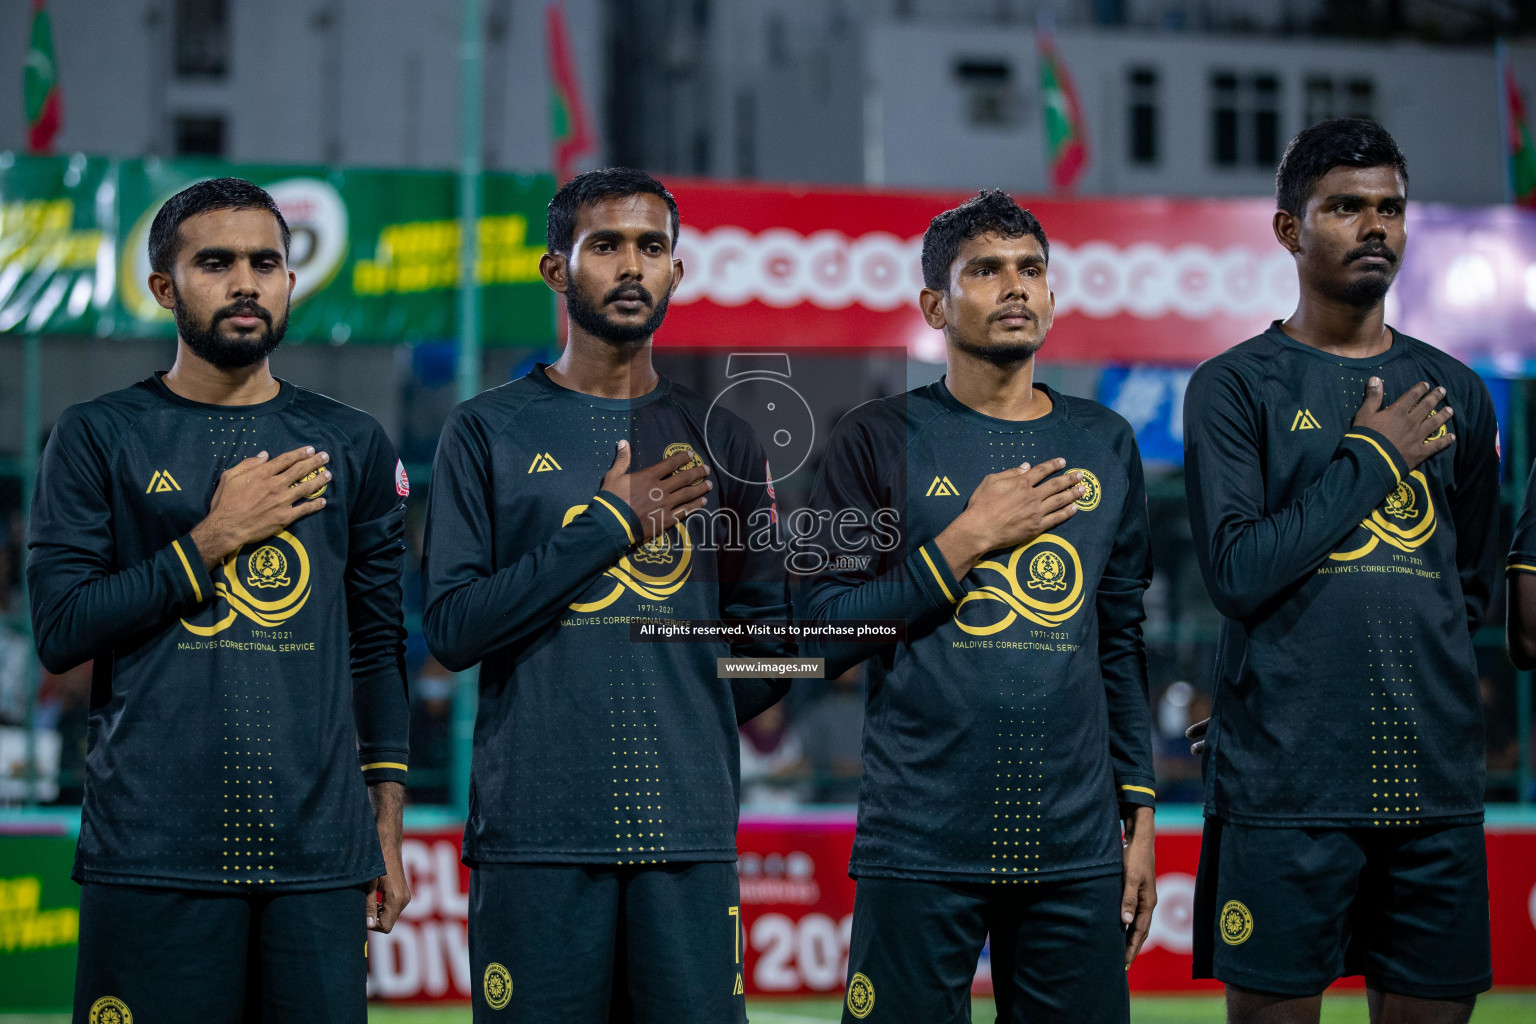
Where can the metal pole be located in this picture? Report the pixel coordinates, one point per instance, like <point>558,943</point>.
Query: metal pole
<point>31,441</point>
<point>1519,456</point>
<point>1501,74</point>
<point>471,49</point>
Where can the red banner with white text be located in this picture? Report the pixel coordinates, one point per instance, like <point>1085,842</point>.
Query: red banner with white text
<point>797,911</point>
<point>1136,280</point>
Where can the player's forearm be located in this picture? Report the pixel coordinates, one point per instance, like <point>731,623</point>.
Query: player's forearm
<point>1248,559</point>
<point>469,615</point>
<point>78,613</point>
<point>919,592</point>
<point>388,802</point>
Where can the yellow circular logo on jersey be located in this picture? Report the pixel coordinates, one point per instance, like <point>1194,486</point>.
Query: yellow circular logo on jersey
<point>861,996</point>
<point>268,568</point>
<point>1041,581</point>
<point>1047,571</point>
<point>498,986</point>
<point>679,448</point>
<point>1236,923</point>
<point>1091,491</point>
<point>315,493</point>
<point>1401,503</point>
<point>110,1010</point>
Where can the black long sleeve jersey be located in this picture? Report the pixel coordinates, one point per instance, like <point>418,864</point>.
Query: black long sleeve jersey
<point>590,747</point>
<point>1346,687</point>
<point>1522,549</point>
<point>230,712</point>
<point>1013,719</point>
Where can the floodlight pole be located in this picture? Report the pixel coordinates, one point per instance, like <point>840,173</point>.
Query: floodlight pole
<point>471,53</point>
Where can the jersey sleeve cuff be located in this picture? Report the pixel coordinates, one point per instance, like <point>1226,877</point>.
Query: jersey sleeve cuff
<point>618,519</point>
<point>1521,563</point>
<point>931,571</point>
<point>384,766</point>
<point>189,572</point>
<point>1136,792</point>
<point>1373,449</point>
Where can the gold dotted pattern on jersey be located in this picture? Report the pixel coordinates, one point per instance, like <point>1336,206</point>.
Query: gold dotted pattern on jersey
<point>1019,780</point>
<point>1018,772</point>
<point>639,829</point>
<point>232,440</point>
<point>1393,734</point>
<point>248,829</point>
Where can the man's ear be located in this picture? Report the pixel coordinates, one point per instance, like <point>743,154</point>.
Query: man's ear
<point>163,289</point>
<point>931,302</point>
<point>1288,231</point>
<point>677,276</point>
<point>555,269</point>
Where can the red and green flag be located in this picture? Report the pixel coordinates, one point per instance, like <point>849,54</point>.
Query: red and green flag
<point>1522,153</point>
<point>1066,136</point>
<point>40,86</point>
<point>570,133</point>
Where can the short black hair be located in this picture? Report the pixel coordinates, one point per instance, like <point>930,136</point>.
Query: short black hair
<point>1341,142</point>
<point>593,187</point>
<point>204,197</point>
<point>991,212</point>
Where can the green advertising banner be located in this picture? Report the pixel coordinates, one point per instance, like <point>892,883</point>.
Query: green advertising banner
<point>375,252</point>
<point>39,923</point>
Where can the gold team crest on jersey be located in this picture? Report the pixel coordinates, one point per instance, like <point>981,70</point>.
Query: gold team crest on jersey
<point>1092,492</point>
<point>109,1010</point>
<point>1041,581</point>
<point>267,582</point>
<point>1405,521</point>
<point>310,478</point>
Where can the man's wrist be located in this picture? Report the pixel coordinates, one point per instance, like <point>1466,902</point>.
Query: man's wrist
<point>1139,822</point>
<point>212,545</point>
<point>962,548</point>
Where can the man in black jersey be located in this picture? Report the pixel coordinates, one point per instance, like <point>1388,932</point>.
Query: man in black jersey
<point>1520,583</point>
<point>1010,735</point>
<point>1351,549</point>
<point>228,548</point>
<point>603,804</point>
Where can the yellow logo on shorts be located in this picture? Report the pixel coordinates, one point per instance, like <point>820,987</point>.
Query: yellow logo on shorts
<point>1092,492</point>
<point>861,996</point>
<point>110,1010</point>
<point>498,986</point>
<point>1236,923</point>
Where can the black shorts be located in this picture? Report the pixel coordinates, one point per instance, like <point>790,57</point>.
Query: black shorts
<point>1058,951</point>
<point>1288,910</point>
<point>586,944</point>
<point>169,955</point>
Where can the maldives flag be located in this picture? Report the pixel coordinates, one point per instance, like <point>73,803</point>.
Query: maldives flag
<point>1066,137</point>
<point>1522,154</point>
<point>40,85</point>
<point>569,131</point>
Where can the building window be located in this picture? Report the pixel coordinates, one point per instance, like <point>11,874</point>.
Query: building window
<point>1361,96</point>
<point>200,39</point>
<point>1245,119</point>
<point>199,135</point>
<point>989,96</point>
<point>1328,97</point>
<point>1319,106</point>
<point>1143,116</point>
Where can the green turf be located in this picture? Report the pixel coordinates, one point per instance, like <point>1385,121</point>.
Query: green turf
<point>1499,1008</point>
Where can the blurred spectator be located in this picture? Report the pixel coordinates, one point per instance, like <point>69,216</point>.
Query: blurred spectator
<point>1178,771</point>
<point>64,707</point>
<point>431,730</point>
<point>773,765</point>
<point>832,729</point>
